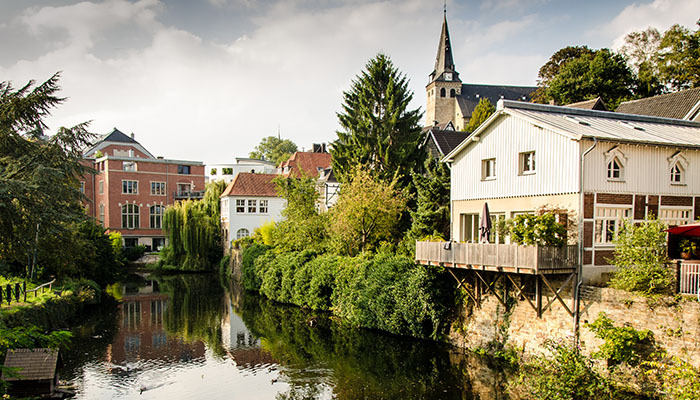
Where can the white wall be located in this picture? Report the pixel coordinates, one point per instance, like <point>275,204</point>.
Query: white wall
<point>242,166</point>
<point>556,163</point>
<point>237,221</point>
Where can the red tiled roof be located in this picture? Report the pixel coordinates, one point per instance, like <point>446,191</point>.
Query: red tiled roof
<point>306,162</point>
<point>250,184</point>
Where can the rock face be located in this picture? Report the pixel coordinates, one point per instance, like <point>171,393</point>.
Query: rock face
<point>675,323</point>
<point>145,260</point>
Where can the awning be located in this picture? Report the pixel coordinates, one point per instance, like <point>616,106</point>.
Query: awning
<point>685,230</point>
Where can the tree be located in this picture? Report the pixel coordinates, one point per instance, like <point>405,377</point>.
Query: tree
<point>432,216</point>
<point>379,133</point>
<point>552,67</point>
<point>303,226</point>
<point>602,73</point>
<point>274,149</point>
<point>679,58</point>
<point>481,113</point>
<point>641,50</point>
<point>640,258</point>
<point>367,213</point>
<point>39,175</point>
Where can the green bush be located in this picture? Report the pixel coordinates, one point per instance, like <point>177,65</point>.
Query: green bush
<point>250,278</point>
<point>640,258</point>
<point>543,230</point>
<point>623,344</point>
<point>134,253</point>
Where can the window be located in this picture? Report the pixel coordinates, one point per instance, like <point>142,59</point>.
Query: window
<point>158,188</point>
<point>488,169</point>
<point>82,186</point>
<point>130,216</point>
<point>130,187</point>
<point>469,228</point>
<point>252,207</point>
<point>224,208</point>
<point>452,93</point>
<point>184,188</point>
<point>241,233</point>
<point>227,171</point>
<point>442,92</point>
<point>615,169</point>
<point>677,174</point>
<point>676,216</point>
<point>527,163</point>
<point>213,171</point>
<point>495,237</point>
<point>129,166</point>
<point>156,216</point>
<point>102,213</point>
<point>102,187</point>
<point>263,206</point>
<point>158,244</point>
<point>183,169</point>
<point>608,221</point>
<point>240,205</point>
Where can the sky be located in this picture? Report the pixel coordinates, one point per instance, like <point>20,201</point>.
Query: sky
<point>205,80</point>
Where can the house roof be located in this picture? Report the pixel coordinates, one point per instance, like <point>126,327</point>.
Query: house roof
<point>472,93</point>
<point>578,124</point>
<point>445,140</point>
<point>680,105</point>
<point>308,163</point>
<point>115,136</point>
<point>33,364</point>
<point>250,184</point>
<point>593,104</point>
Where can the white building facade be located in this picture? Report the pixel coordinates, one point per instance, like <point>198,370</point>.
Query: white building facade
<point>226,172</point>
<point>527,157</point>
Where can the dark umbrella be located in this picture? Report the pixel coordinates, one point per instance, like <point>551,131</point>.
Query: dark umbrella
<point>485,225</point>
<point>685,230</point>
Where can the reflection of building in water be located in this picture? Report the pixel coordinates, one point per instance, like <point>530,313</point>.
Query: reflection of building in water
<point>242,347</point>
<point>141,334</point>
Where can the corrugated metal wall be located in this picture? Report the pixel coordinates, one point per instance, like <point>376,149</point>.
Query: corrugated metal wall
<point>557,162</point>
<point>647,170</point>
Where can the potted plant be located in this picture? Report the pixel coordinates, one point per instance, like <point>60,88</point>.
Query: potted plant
<point>688,248</point>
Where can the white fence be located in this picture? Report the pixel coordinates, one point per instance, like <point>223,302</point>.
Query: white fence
<point>689,278</point>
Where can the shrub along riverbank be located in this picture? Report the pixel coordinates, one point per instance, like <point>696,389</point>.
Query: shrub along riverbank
<point>377,291</point>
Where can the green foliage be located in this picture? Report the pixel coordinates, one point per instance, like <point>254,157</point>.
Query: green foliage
<point>367,213</point>
<point>675,377</point>
<point>688,246</point>
<point>481,113</point>
<point>193,229</point>
<point>251,279</point>
<point>303,226</point>
<point>274,149</point>
<point>565,375</point>
<point>117,245</point>
<point>679,58</point>
<point>134,253</point>
<point>622,344</point>
<point>530,229</point>
<point>264,233</point>
<point>227,171</point>
<point>379,134</point>
<point>640,258</point>
<point>432,216</point>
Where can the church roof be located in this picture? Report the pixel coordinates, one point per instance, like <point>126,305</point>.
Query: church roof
<point>472,93</point>
<point>679,105</point>
<point>444,61</point>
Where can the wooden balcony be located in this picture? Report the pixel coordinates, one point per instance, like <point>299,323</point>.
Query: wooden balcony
<point>512,258</point>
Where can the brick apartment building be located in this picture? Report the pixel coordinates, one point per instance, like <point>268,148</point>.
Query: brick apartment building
<point>131,187</point>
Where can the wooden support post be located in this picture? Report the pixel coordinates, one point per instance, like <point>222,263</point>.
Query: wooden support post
<point>519,292</point>
<point>678,276</point>
<point>489,287</point>
<point>556,293</point>
<point>538,295</point>
<point>460,284</point>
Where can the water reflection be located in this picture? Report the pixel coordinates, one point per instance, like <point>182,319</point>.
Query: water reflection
<point>189,336</point>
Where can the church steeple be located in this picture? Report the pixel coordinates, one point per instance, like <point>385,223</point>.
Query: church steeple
<point>443,61</point>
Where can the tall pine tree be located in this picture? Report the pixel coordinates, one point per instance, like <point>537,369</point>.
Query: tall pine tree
<point>379,132</point>
<point>432,216</point>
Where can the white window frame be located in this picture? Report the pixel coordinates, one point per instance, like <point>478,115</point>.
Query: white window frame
<point>526,162</point>
<point>242,232</point>
<point>263,206</point>
<point>240,206</point>
<point>612,157</point>
<point>488,169</point>
<point>252,206</point>
<point>469,227</point>
<point>156,218</point>
<point>102,213</point>
<point>130,186</point>
<point>608,220</point>
<point>678,167</point>
<point>158,188</point>
<point>102,187</point>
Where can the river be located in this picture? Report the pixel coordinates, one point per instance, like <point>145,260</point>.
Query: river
<point>194,337</point>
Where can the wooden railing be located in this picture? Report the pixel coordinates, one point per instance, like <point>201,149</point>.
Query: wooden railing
<point>499,257</point>
<point>688,277</point>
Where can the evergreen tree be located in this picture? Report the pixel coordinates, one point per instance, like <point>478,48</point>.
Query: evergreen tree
<point>481,113</point>
<point>432,217</point>
<point>379,133</point>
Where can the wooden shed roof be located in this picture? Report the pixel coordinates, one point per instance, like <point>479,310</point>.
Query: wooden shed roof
<point>32,364</point>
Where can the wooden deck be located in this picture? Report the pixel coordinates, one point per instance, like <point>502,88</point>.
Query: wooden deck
<point>512,258</point>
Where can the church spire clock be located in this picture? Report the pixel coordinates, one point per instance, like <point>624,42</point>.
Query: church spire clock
<point>444,86</point>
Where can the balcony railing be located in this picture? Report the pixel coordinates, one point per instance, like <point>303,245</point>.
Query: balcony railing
<point>194,194</point>
<point>688,277</point>
<point>499,257</point>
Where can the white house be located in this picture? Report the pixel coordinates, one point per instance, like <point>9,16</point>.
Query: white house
<point>600,166</point>
<point>248,202</point>
<point>226,172</point>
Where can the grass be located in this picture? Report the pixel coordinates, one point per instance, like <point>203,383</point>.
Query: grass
<point>33,299</point>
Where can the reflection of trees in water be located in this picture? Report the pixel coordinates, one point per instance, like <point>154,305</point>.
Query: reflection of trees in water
<point>360,363</point>
<point>196,308</point>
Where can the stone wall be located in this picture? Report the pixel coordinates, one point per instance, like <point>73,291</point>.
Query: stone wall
<point>675,324</point>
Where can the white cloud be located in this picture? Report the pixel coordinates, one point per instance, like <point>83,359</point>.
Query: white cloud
<point>660,14</point>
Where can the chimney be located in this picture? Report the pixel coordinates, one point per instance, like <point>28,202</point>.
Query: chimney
<point>132,135</point>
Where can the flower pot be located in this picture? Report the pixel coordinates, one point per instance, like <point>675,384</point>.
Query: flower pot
<point>686,255</point>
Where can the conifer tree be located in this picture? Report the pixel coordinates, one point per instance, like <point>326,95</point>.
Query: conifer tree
<point>481,113</point>
<point>432,216</point>
<point>379,132</point>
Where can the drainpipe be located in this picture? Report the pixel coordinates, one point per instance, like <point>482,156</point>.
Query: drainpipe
<point>579,272</point>
<point>449,165</point>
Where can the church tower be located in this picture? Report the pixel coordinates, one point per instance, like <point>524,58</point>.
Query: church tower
<point>445,86</point>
